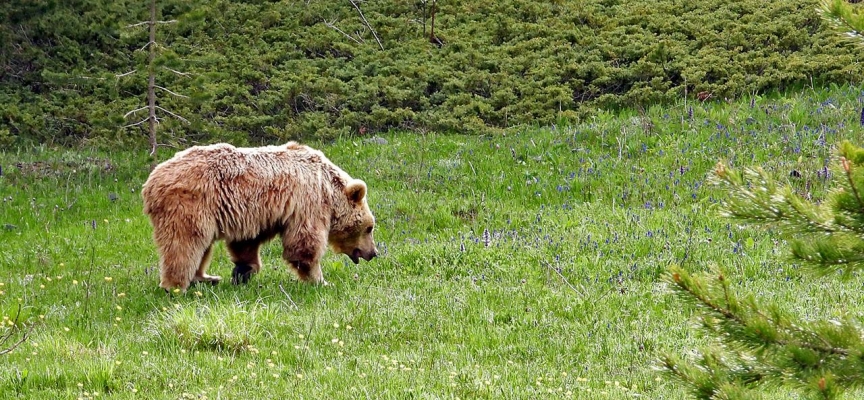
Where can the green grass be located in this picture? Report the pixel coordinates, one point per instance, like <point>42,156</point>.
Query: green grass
<point>517,266</point>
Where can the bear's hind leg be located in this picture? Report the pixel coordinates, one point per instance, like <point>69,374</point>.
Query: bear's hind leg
<point>201,275</point>
<point>246,259</point>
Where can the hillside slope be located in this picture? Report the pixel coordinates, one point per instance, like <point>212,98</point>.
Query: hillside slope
<point>261,71</point>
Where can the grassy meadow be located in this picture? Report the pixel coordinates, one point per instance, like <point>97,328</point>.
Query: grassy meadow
<point>525,265</point>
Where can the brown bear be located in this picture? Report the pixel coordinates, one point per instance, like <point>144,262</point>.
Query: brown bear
<point>247,196</point>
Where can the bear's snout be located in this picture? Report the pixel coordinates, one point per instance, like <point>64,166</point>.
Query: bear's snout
<point>357,254</point>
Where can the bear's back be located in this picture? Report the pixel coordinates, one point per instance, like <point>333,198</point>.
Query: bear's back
<point>202,169</point>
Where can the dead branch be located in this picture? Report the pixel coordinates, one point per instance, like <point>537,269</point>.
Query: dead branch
<point>184,74</point>
<point>134,111</point>
<point>145,46</point>
<point>137,123</point>
<point>331,25</point>
<point>11,331</point>
<point>127,73</point>
<point>173,115</point>
<point>175,94</point>
<point>173,21</point>
<point>365,22</point>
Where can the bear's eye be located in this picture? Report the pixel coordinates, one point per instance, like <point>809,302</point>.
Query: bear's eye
<point>369,230</point>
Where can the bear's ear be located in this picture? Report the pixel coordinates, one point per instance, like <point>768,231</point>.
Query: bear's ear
<point>356,191</point>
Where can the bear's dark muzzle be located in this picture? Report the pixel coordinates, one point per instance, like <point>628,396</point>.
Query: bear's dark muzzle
<point>357,254</point>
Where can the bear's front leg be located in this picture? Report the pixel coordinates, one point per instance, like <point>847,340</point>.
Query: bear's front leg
<point>309,272</point>
<point>303,247</point>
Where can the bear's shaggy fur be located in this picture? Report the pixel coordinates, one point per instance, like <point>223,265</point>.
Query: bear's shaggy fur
<point>247,196</point>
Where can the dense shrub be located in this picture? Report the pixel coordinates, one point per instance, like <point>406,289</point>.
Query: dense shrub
<point>264,71</point>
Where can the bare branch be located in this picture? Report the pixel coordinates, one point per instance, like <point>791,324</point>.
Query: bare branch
<point>18,343</point>
<point>174,115</point>
<point>173,21</point>
<point>127,73</point>
<point>186,74</point>
<point>331,25</point>
<point>137,123</point>
<point>175,94</point>
<point>11,331</point>
<point>145,46</point>
<point>367,24</point>
<point>134,111</point>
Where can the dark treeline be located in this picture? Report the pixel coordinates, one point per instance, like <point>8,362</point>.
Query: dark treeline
<point>262,71</point>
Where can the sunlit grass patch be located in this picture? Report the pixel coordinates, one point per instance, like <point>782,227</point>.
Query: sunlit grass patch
<point>232,327</point>
<point>96,366</point>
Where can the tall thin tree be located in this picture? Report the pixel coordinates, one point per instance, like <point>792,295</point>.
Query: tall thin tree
<point>152,119</point>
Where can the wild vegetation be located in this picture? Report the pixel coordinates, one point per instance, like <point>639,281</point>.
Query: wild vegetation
<point>514,266</point>
<point>524,262</point>
<point>260,71</point>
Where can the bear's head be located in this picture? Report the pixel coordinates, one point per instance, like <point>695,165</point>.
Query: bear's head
<point>351,230</point>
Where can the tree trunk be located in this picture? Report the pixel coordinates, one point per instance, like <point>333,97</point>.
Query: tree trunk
<point>151,85</point>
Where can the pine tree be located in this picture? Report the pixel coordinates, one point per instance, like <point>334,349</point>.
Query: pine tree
<point>762,343</point>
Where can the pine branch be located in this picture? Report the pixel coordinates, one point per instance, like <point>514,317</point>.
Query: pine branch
<point>848,170</point>
<point>827,237</point>
<point>765,346</point>
<point>755,198</point>
<point>842,17</point>
<point>739,321</point>
<point>715,376</point>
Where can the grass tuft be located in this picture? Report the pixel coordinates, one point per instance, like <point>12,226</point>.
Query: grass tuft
<point>223,327</point>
